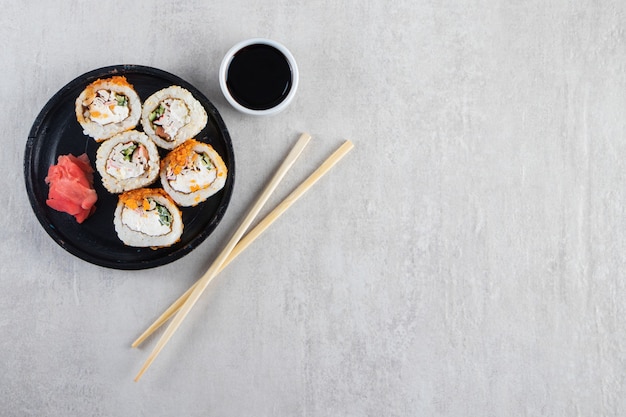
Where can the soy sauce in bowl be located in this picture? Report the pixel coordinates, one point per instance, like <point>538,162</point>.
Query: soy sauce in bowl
<point>259,76</point>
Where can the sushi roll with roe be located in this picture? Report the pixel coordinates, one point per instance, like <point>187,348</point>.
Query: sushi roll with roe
<point>192,173</point>
<point>107,107</point>
<point>147,217</point>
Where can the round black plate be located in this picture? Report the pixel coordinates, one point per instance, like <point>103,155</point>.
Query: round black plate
<point>57,132</point>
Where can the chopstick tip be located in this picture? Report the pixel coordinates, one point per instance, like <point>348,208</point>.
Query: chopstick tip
<point>140,374</point>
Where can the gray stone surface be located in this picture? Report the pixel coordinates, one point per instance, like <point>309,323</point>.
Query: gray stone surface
<point>467,258</point>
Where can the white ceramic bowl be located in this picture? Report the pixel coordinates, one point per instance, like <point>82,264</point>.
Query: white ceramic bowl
<point>224,72</point>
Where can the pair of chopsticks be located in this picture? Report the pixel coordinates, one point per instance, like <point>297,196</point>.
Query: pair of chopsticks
<point>238,243</point>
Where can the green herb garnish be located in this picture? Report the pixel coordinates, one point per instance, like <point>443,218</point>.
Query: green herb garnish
<point>121,100</point>
<point>206,161</point>
<point>158,112</point>
<point>165,217</point>
<point>128,152</point>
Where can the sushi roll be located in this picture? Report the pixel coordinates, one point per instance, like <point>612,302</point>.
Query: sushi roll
<point>171,116</point>
<point>127,161</point>
<point>107,107</point>
<point>147,217</point>
<point>192,173</point>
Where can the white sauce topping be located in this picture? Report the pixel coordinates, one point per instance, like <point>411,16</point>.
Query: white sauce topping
<point>195,176</point>
<point>104,108</point>
<point>176,115</point>
<point>122,167</point>
<point>146,222</point>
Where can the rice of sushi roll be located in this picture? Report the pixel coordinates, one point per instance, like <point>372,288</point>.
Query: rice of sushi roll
<point>171,116</point>
<point>127,161</point>
<point>192,172</point>
<point>107,107</point>
<point>147,217</point>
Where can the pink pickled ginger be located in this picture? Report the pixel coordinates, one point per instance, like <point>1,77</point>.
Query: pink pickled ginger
<point>71,186</point>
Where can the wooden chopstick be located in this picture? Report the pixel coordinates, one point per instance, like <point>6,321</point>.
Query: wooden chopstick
<point>217,264</point>
<point>254,233</point>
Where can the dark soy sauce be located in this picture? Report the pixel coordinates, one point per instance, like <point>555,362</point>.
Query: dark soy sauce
<point>259,77</point>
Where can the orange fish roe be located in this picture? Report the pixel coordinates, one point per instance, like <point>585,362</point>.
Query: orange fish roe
<point>135,198</point>
<point>119,80</point>
<point>97,85</point>
<point>179,157</point>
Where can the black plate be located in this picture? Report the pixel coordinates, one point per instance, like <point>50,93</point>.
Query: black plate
<point>57,132</point>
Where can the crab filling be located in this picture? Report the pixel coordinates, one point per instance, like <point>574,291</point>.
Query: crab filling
<point>127,160</point>
<point>105,107</point>
<point>150,218</point>
<point>167,119</point>
<point>199,172</point>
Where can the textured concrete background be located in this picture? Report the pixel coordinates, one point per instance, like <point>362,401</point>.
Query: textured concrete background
<point>466,259</point>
